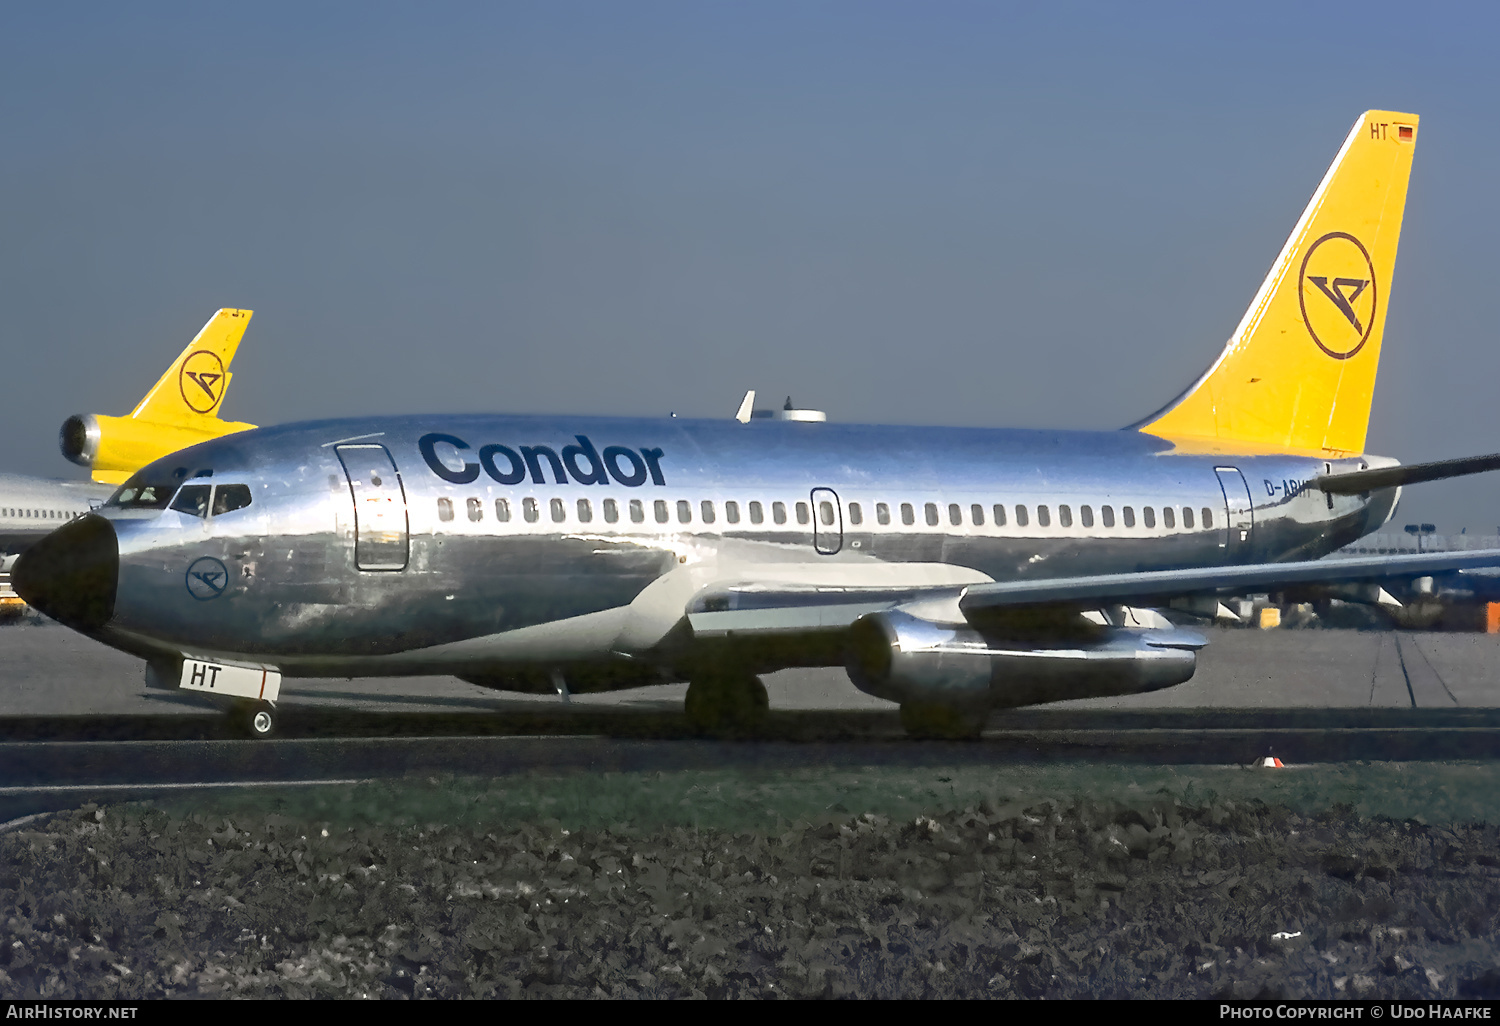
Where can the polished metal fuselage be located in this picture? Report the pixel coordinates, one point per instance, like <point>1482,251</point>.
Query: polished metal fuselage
<point>334,568</point>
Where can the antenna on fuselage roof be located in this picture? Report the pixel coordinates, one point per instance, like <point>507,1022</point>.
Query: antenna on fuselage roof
<point>747,407</point>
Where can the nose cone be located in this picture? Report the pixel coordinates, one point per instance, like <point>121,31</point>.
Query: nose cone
<point>71,574</point>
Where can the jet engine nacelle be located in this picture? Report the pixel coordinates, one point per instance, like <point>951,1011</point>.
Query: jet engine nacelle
<point>116,446</point>
<point>905,659</point>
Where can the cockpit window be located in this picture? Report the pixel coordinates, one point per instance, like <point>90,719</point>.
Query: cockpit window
<point>228,498</point>
<point>193,500</point>
<point>143,493</point>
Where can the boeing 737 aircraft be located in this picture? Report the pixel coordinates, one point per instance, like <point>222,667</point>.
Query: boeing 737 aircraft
<point>181,410</point>
<point>953,571</point>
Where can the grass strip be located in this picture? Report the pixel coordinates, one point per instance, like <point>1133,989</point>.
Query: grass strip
<point>762,802</point>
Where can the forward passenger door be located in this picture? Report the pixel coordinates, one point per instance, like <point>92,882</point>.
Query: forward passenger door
<point>828,521</point>
<point>381,534</point>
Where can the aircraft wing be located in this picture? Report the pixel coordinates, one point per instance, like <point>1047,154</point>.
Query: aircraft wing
<point>751,606</point>
<point>1158,586</point>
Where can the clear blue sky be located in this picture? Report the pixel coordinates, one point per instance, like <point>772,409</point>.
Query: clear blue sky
<point>1033,215</point>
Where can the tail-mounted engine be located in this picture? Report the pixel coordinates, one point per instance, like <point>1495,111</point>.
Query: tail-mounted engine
<point>903,658</point>
<point>121,445</point>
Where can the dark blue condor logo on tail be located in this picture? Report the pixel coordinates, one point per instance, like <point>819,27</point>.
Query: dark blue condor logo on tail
<point>628,467</point>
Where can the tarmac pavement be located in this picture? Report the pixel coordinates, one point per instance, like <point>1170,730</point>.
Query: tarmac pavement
<point>49,670</point>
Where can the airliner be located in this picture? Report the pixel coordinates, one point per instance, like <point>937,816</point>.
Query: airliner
<point>180,410</point>
<point>953,571</point>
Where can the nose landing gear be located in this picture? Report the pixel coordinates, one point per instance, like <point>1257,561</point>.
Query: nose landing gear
<point>255,719</point>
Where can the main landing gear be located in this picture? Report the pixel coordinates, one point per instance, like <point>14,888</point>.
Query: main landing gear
<point>255,719</point>
<point>726,702</point>
<point>931,721</point>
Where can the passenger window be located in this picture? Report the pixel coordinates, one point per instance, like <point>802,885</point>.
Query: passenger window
<point>1020,515</point>
<point>1168,520</point>
<point>530,510</point>
<point>856,515</point>
<point>585,511</point>
<point>778,512</point>
<point>661,511</point>
<point>637,512</point>
<point>1065,515</point>
<point>976,513</point>
<point>559,511</point>
<point>1107,514</point>
<point>1208,517</point>
<point>445,509</point>
<point>1187,517</point>
<point>1043,517</point>
<point>999,512</point>
<point>684,511</point>
<point>825,512</point>
<point>192,500</point>
<point>757,513</point>
<point>611,511</point>
<point>502,510</point>
<point>1148,516</point>
<point>803,514</point>
<point>476,509</point>
<point>908,515</point>
<point>930,511</point>
<point>955,514</point>
<point>732,512</point>
<point>708,512</point>
<point>1086,516</point>
<point>1129,514</point>
<point>882,513</point>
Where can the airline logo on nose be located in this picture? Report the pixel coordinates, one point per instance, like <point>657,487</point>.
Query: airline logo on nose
<point>206,578</point>
<point>1337,291</point>
<point>201,381</point>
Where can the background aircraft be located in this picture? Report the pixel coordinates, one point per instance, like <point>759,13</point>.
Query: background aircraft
<point>181,409</point>
<point>951,570</point>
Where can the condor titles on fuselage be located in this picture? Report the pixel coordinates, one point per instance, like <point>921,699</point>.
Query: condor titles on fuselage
<point>953,571</point>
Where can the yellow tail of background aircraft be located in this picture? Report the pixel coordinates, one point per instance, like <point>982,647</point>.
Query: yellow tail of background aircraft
<point>1298,373</point>
<point>182,408</point>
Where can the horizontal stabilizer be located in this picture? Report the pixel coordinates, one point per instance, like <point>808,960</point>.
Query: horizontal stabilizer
<point>1415,473</point>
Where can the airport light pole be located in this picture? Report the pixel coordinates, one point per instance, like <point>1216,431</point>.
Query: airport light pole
<point>1418,530</point>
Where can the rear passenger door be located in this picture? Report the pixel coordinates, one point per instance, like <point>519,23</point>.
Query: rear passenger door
<point>1239,512</point>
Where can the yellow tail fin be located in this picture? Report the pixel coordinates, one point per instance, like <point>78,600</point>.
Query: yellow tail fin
<point>1299,371</point>
<point>193,387</point>
<point>182,409</point>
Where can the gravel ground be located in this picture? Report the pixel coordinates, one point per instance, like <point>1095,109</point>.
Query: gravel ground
<point>1153,899</point>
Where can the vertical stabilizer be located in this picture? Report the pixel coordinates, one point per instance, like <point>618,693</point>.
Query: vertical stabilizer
<point>182,408</point>
<point>1299,371</point>
<point>193,387</point>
